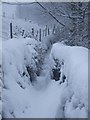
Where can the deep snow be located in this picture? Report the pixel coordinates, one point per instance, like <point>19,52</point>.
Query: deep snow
<point>46,98</point>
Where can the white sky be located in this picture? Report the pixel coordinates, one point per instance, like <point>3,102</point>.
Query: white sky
<point>8,9</point>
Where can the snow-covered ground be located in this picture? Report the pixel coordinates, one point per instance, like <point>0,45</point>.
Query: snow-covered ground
<point>46,98</point>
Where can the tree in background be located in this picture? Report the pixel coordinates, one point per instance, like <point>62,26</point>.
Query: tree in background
<point>70,18</point>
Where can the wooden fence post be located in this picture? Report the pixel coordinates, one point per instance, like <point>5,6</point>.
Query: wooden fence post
<point>33,32</point>
<point>11,36</point>
<point>48,31</point>
<point>23,32</point>
<point>40,34</point>
<point>54,29</point>
<point>37,35</point>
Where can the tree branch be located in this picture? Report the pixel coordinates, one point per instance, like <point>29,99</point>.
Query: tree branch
<point>50,13</point>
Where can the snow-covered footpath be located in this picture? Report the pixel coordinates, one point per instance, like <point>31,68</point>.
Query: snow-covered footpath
<point>45,98</point>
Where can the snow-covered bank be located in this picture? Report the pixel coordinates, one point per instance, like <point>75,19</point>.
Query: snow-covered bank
<point>75,68</point>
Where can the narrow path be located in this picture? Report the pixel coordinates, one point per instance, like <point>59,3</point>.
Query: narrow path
<point>45,95</point>
<point>44,78</point>
<point>45,103</point>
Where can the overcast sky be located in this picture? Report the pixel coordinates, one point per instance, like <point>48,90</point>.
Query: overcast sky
<point>34,12</point>
<point>9,9</point>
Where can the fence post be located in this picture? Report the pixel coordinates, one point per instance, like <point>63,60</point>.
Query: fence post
<point>37,35</point>
<point>54,29</point>
<point>40,34</point>
<point>23,32</point>
<point>48,31</point>
<point>11,36</point>
<point>33,32</point>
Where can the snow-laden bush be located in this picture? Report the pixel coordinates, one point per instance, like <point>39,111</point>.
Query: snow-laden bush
<point>20,65</point>
<point>75,69</point>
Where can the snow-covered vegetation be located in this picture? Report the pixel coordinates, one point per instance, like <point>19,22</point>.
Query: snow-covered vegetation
<point>23,91</point>
<point>73,62</point>
<point>44,65</point>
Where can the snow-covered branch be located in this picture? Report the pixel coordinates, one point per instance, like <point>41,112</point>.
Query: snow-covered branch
<point>50,13</point>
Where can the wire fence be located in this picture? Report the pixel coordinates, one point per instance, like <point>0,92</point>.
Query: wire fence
<point>9,25</point>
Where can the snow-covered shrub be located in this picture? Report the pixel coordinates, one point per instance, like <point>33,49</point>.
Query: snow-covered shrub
<point>17,54</point>
<point>20,59</point>
<point>75,71</point>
